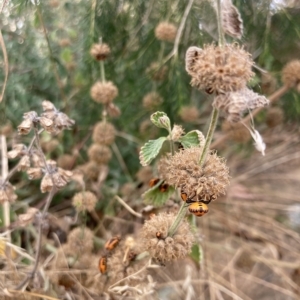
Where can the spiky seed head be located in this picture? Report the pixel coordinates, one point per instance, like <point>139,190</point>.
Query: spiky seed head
<point>166,31</point>
<point>104,92</point>
<point>291,74</point>
<point>219,69</point>
<point>101,154</point>
<point>183,170</point>
<point>104,133</point>
<point>100,51</point>
<point>163,247</point>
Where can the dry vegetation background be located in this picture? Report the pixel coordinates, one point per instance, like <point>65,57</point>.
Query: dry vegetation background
<point>247,246</point>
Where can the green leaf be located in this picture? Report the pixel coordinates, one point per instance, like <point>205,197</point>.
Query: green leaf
<point>150,150</point>
<point>156,197</point>
<point>161,120</point>
<point>196,253</point>
<point>192,139</point>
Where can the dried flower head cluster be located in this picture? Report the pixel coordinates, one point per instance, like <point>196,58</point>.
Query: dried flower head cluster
<point>166,31</point>
<point>84,201</point>
<point>155,239</point>
<point>100,154</point>
<point>189,114</point>
<point>104,92</point>
<point>231,19</point>
<point>157,72</point>
<point>52,120</point>
<point>291,74</point>
<point>152,100</point>
<point>234,104</point>
<point>177,132</point>
<point>224,71</point>
<point>81,240</point>
<point>205,182</point>
<point>219,69</point>
<point>100,51</point>
<point>104,133</point>
<point>7,192</point>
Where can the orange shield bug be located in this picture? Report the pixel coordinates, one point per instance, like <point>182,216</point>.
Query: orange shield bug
<point>102,266</point>
<point>112,243</point>
<point>153,182</point>
<point>198,208</point>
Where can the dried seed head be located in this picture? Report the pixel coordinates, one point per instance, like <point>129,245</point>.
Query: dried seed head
<point>205,182</point>
<point>104,133</point>
<point>291,74</point>
<point>189,114</point>
<point>27,218</point>
<point>122,263</point>
<point>274,117</point>
<point>60,121</point>
<point>84,201</point>
<point>157,72</point>
<point>145,174</point>
<point>166,31</point>
<point>80,240</point>
<point>236,131</point>
<point>177,132</point>
<point>27,124</point>
<point>90,170</point>
<point>113,110</point>
<point>162,247</point>
<point>7,192</point>
<point>101,154</point>
<point>46,184</point>
<point>152,100</point>
<point>17,151</point>
<point>24,163</point>
<point>231,19</point>
<point>100,51</point>
<point>34,173</point>
<point>234,104</point>
<point>104,92</point>
<point>66,161</point>
<point>219,69</point>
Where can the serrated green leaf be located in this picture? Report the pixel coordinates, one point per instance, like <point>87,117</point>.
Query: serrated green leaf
<point>161,120</point>
<point>157,198</point>
<point>150,150</point>
<point>192,139</point>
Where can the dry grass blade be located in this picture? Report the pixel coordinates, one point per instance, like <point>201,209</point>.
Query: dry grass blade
<point>2,43</point>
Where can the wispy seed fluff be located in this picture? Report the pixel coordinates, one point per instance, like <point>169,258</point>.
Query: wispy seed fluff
<point>100,51</point>
<point>205,182</point>
<point>155,239</point>
<point>166,31</point>
<point>234,104</point>
<point>291,74</point>
<point>219,69</point>
<point>104,92</point>
<point>104,133</point>
<point>85,200</point>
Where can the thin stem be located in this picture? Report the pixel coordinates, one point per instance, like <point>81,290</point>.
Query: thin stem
<point>210,133</point>
<point>122,202</point>
<point>179,218</point>
<point>6,204</point>
<point>220,28</point>
<point>102,71</point>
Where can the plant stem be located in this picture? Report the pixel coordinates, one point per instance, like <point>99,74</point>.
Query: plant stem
<point>179,218</point>
<point>220,28</point>
<point>210,133</point>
